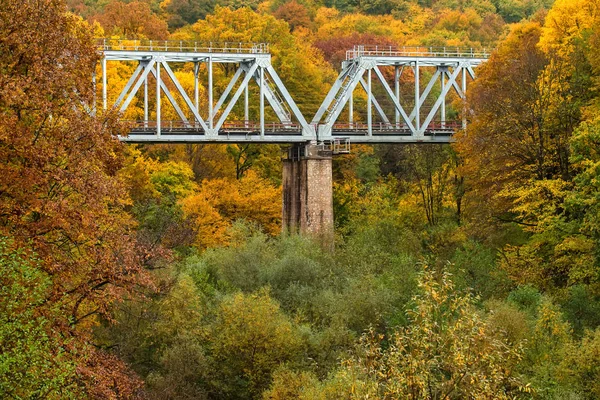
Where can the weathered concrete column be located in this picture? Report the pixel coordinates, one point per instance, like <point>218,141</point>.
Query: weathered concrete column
<point>307,191</point>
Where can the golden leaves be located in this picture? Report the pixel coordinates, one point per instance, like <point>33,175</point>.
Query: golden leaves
<point>220,202</point>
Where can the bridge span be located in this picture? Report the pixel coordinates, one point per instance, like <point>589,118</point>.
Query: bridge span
<point>383,94</point>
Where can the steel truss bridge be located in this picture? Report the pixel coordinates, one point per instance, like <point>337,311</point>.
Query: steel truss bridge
<point>372,77</point>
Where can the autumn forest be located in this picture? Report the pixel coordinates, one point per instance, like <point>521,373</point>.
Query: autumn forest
<point>469,270</point>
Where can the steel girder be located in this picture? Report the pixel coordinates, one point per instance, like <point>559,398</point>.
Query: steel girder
<point>412,122</point>
<point>215,125</point>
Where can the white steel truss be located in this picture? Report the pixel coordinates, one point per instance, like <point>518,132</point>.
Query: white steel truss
<point>377,73</point>
<point>446,70</point>
<point>252,63</point>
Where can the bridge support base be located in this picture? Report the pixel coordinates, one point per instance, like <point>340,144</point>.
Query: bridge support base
<point>308,192</point>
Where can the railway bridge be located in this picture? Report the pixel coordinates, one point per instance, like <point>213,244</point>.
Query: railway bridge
<point>382,94</point>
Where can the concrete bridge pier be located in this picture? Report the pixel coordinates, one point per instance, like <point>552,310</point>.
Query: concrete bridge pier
<point>308,191</point>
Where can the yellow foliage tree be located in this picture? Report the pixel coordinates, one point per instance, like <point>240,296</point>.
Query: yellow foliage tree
<point>509,154</point>
<point>447,352</point>
<point>301,67</point>
<point>566,20</point>
<point>220,202</point>
<point>331,25</point>
<point>252,337</point>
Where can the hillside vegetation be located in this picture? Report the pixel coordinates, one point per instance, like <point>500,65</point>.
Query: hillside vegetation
<point>461,271</point>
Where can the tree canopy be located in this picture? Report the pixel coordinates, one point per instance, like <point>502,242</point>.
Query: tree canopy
<point>468,270</point>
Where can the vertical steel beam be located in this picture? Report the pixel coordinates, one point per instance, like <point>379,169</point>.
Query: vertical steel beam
<point>351,108</point>
<point>104,80</point>
<point>146,101</point>
<point>376,104</point>
<point>196,88</point>
<point>443,111</point>
<point>369,106</point>
<point>464,98</point>
<point>425,93</point>
<point>170,97</point>
<point>246,107</point>
<point>417,100</point>
<point>397,91</point>
<point>158,99</point>
<point>278,104</point>
<point>451,82</point>
<point>210,94</point>
<point>262,101</point>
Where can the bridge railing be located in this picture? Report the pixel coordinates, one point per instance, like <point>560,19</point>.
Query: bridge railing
<point>383,126</point>
<point>243,126</point>
<point>181,46</point>
<point>420,51</point>
<point>254,126</point>
<point>164,125</point>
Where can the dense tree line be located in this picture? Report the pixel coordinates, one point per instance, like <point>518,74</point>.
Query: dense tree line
<point>159,272</point>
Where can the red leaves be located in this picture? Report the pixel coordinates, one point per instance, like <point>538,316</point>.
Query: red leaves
<point>107,377</point>
<point>134,20</point>
<point>334,49</point>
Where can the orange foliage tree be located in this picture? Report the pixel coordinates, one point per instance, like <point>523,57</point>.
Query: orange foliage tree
<point>222,201</point>
<point>58,188</point>
<point>295,14</point>
<point>133,20</point>
<point>504,146</point>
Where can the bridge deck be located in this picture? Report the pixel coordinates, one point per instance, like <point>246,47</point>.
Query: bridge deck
<point>415,117</point>
<point>275,132</point>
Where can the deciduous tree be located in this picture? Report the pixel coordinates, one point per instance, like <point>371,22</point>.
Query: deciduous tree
<point>59,192</point>
<point>447,352</point>
<point>220,202</point>
<point>132,20</point>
